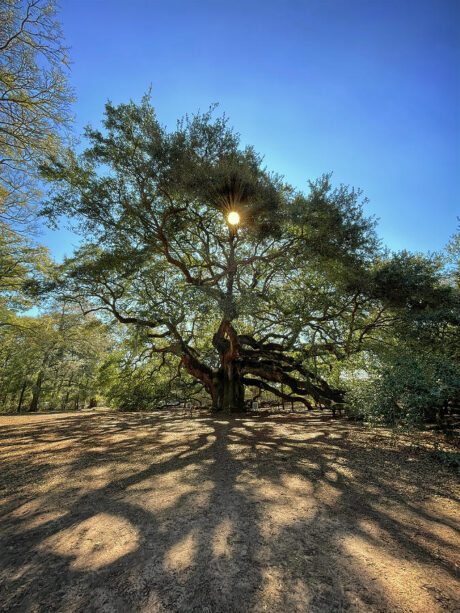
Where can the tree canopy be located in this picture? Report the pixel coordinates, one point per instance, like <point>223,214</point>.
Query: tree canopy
<point>275,302</point>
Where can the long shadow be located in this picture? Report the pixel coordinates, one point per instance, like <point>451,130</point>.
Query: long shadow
<point>208,526</point>
<point>205,582</point>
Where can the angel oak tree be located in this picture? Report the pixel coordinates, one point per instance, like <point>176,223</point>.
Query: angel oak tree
<point>271,302</point>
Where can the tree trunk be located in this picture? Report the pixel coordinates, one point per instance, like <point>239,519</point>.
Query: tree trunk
<point>227,382</point>
<point>33,408</point>
<point>21,397</point>
<point>230,391</point>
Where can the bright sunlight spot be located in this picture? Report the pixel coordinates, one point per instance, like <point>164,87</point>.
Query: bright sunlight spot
<point>233,218</point>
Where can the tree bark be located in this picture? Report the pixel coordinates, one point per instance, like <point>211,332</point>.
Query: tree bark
<point>230,390</point>
<point>69,384</point>
<point>33,408</point>
<point>21,397</point>
<point>228,381</point>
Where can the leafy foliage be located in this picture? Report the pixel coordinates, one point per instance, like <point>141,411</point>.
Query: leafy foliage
<point>34,99</point>
<point>52,361</point>
<point>20,262</point>
<point>407,389</point>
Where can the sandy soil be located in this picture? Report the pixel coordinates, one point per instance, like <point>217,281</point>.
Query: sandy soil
<point>133,512</point>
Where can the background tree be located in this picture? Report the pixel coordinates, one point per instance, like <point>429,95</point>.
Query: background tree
<point>274,302</point>
<point>413,374</point>
<point>52,361</point>
<point>34,110</point>
<point>453,250</point>
<point>20,261</point>
<point>34,99</point>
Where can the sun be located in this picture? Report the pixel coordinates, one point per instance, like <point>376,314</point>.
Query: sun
<point>233,218</point>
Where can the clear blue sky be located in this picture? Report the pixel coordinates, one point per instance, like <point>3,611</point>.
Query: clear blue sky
<point>368,89</point>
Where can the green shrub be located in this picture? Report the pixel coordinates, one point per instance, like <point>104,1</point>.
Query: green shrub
<point>407,390</point>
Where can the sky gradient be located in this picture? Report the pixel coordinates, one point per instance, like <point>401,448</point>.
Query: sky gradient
<point>367,89</point>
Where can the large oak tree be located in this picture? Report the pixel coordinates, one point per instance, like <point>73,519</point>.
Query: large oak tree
<point>273,302</point>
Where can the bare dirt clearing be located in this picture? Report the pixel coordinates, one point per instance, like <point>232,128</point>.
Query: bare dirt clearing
<point>155,512</point>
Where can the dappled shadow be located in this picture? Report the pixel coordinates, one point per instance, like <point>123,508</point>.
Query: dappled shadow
<point>157,512</point>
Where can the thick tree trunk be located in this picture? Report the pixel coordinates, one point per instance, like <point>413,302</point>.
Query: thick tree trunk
<point>228,383</point>
<point>230,391</point>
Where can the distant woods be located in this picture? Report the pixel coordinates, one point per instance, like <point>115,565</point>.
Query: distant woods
<point>52,362</point>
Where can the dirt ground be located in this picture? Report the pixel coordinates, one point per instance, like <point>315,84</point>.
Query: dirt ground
<point>156,512</point>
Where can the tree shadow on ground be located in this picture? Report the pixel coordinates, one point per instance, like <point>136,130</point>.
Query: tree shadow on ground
<point>110,512</point>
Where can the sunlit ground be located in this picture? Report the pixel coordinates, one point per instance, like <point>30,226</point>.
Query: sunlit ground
<point>129,512</point>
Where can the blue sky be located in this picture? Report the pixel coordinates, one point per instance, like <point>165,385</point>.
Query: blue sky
<point>368,89</point>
